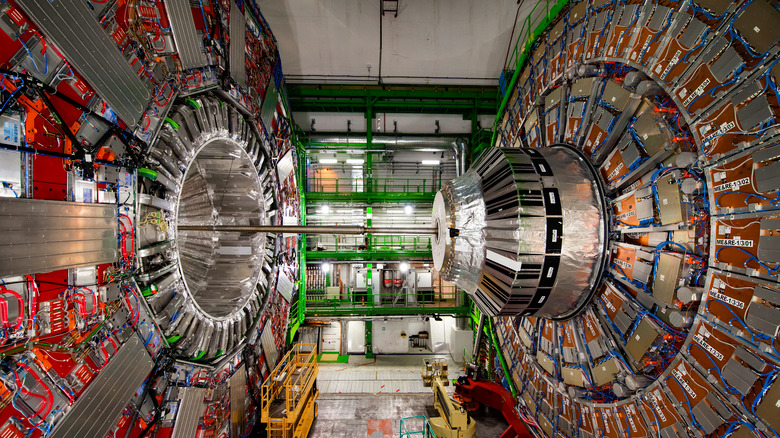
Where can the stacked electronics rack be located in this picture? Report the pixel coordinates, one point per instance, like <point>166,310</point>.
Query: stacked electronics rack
<point>120,119</point>
<point>677,104</point>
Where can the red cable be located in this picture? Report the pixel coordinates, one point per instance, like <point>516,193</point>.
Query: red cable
<point>49,400</point>
<point>4,314</point>
<point>34,301</point>
<point>132,229</point>
<point>21,308</point>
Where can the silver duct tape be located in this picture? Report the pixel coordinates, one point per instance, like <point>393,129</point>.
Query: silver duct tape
<point>461,256</point>
<point>559,247</point>
<point>583,244</point>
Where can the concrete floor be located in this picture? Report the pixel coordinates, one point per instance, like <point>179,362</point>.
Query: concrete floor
<point>368,398</point>
<point>353,416</point>
<point>387,374</point>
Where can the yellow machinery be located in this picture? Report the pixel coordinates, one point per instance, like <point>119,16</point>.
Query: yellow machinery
<point>289,394</point>
<point>454,421</point>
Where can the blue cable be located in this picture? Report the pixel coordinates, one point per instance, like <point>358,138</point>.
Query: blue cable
<point>45,59</point>
<point>687,401</point>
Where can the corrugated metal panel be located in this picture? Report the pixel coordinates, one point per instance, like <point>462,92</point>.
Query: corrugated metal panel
<point>100,406</point>
<point>269,346</point>
<point>237,44</point>
<point>184,34</point>
<point>191,411</point>
<point>89,49</point>
<point>42,236</point>
<point>237,399</point>
<point>268,109</point>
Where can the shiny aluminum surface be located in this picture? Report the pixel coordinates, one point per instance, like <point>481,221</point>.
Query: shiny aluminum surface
<point>220,187</point>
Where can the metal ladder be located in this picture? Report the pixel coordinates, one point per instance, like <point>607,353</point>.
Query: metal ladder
<point>390,6</point>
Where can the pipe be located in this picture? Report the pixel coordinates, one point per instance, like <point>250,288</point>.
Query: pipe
<point>403,142</point>
<point>478,335</point>
<point>307,229</point>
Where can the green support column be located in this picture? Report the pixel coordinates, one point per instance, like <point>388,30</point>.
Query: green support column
<point>369,272</point>
<point>369,340</point>
<point>369,180</point>
<point>296,319</point>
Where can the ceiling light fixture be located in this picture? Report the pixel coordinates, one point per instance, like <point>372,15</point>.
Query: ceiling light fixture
<point>430,162</point>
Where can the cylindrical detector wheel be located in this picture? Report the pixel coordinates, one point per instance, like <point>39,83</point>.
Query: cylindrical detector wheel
<point>524,231</point>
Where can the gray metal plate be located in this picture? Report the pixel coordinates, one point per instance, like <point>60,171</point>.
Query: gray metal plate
<point>641,340</point>
<point>763,318</point>
<point>670,206</point>
<point>666,277</point>
<point>94,54</point>
<point>184,33</point>
<point>237,44</point>
<point>706,417</point>
<point>605,372</point>
<point>237,402</point>
<point>191,410</point>
<point>99,408</point>
<point>758,25</point>
<point>739,376</point>
<point>42,236</point>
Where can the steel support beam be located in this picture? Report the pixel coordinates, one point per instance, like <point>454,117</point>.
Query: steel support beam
<point>312,312</point>
<point>368,255</point>
<point>465,100</point>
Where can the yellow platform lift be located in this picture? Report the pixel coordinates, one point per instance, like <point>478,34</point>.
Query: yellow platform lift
<point>289,395</point>
<point>455,421</point>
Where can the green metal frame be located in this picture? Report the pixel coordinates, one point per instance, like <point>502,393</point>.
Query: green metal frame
<point>298,311</point>
<point>418,99</point>
<point>490,331</point>
<point>369,197</point>
<point>529,33</point>
<point>370,310</point>
<point>368,255</point>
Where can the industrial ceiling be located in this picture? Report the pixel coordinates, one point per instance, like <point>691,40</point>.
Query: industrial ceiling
<point>460,42</point>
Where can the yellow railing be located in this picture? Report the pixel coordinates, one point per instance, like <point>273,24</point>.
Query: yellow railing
<point>292,380</point>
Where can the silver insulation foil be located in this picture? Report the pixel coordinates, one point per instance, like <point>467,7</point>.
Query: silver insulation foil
<point>523,232</point>
<point>584,227</point>
<point>459,205</point>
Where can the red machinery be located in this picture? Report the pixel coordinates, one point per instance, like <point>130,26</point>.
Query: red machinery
<point>474,393</point>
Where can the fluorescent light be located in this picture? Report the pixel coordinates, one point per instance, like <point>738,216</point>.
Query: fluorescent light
<point>328,161</point>
<point>325,267</point>
<point>404,267</point>
<point>325,209</point>
<point>430,162</point>
<point>408,209</point>
<point>355,161</point>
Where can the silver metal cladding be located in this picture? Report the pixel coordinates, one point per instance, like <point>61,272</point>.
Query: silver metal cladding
<point>523,232</point>
<point>459,205</point>
<point>221,187</point>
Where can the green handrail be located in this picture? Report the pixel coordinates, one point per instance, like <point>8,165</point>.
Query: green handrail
<point>531,29</point>
<point>504,368</point>
<point>321,184</point>
<point>425,432</point>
